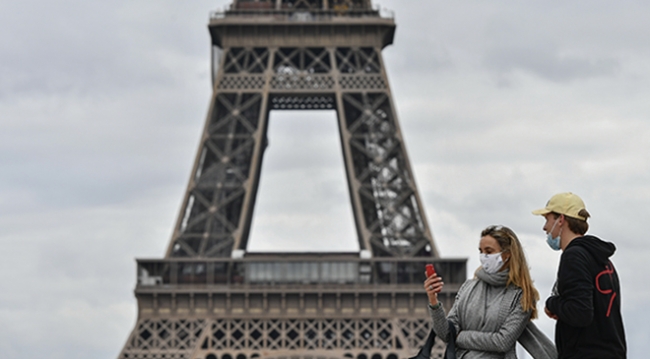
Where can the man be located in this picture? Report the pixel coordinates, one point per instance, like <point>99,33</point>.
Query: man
<point>586,299</point>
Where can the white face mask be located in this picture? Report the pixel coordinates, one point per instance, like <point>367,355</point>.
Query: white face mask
<point>491,262</point>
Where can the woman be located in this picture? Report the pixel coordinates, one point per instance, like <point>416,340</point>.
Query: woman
<point>491,310</point>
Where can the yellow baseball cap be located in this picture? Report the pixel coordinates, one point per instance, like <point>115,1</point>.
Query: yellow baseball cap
<point>567,203</point>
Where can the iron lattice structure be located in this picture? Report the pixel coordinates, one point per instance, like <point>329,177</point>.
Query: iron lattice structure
<point>209,298</point>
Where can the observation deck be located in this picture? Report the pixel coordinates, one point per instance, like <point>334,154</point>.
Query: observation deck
<point>317,25</point>
<point>301,284</point>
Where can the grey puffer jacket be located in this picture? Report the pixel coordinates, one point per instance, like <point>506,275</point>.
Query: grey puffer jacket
<point>489,319</point>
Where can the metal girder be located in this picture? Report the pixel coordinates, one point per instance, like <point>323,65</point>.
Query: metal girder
<point>217,210</point>
<point>277,338</point>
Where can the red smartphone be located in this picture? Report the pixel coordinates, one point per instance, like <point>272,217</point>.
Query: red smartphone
<point>430,270</point>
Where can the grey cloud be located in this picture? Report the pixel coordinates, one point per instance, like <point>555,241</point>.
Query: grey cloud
<point>94,177</point>
<point>303,140</point>
<point>95,48</point>
<point>549,64</point>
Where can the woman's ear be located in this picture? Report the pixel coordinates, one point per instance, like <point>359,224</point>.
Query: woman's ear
<point>505,256</point>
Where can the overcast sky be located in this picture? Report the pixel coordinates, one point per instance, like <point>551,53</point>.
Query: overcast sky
<point>502,104</point>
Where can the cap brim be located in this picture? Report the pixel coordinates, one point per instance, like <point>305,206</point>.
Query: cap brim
<point>541,211</point>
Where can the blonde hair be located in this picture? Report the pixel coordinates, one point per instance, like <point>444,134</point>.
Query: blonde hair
<point>519,274</point>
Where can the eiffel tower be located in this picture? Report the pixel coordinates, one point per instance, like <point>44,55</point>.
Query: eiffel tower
<point>210,298</point>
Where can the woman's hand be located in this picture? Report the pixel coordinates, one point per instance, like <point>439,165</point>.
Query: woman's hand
<point>433,286</point>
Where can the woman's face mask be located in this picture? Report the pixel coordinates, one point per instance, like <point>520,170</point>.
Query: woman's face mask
<point>491,262</point>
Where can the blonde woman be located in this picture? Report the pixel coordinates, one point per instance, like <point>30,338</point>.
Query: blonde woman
<point>493,309</point>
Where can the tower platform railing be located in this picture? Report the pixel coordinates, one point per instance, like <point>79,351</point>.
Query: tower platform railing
<point>294,270</point>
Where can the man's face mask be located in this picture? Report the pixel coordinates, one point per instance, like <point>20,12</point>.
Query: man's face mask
<point>554,243</point>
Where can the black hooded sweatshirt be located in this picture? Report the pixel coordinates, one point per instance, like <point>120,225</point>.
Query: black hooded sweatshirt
<point>588,302</point>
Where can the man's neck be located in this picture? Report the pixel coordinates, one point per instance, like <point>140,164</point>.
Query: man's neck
<point>566,238</point>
